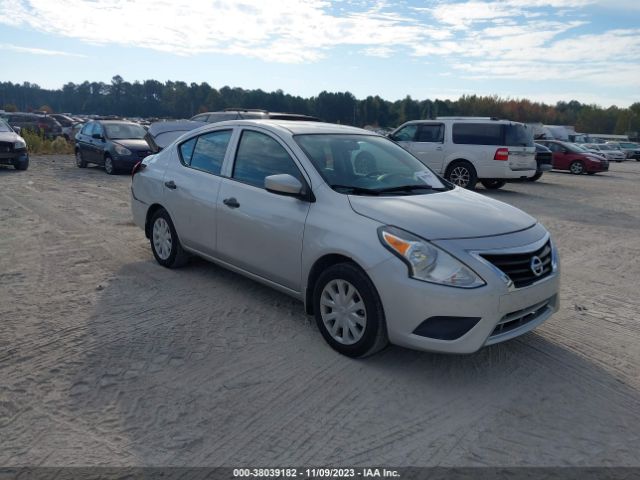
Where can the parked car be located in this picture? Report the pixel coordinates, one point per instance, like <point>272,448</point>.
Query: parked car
<point>44,124</point>
<point>466,150</point>
<point>246,114</point>
<point>544,161</point>
<point>632,150</point>
<point>13,148</point>
<point>377,246</point>
<point>115,144</point>
<point>162,134</point>
<point>66,123</point>
<point>567,156</point>
<point>607,151</point>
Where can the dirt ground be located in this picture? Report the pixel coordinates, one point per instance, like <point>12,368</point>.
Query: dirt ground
<point>107,358</point>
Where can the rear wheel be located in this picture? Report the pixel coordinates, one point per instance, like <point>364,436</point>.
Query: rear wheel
<point>536,177</point>
<point>576,167</point>
<point>349,312</point>
<point>80,163</point>
<point>462,174</point>
<point>492,183</point>
<point>164,241</point>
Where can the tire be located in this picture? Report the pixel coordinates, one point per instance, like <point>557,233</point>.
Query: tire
<point>492,183</point>
<point>535,178</point>
<point>21,165</point>
<point>370,333</point>
<point>80,163</point>
<point>591,173</point>
<point>165,244</point>
<point>576,167</point>
<point>462,174</point>
<point>109,165</point>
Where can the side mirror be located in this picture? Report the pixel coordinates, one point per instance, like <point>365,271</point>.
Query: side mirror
<point>97,136</point>
<point>283,184</point>
<point>17,129</point>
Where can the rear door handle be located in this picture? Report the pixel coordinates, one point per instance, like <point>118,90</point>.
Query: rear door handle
<point>171,184</point>
<point>231,202</point>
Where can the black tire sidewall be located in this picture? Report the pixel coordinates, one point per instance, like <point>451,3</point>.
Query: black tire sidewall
<point>80,163</point>
<point>535,177</point>
<point>171,260</point>
<point>367,291</point>
<point>114,170</point>
<point>493,184</point>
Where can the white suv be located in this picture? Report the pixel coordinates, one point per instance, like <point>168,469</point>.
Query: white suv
<point>466,150</point>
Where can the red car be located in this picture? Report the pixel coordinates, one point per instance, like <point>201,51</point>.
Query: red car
<point>567,156</point>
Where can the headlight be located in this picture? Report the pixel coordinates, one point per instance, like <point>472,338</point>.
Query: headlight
<point>20,143</point>
<point>120,150</point>
<point>427,262</point>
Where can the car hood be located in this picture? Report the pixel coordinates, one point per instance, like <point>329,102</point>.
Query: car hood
<point>133,143</point>
<point>447,215</point>
<point>8,136</point>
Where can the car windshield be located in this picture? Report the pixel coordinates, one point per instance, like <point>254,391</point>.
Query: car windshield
<point>368,165</point>
<point>574,148</point>
<point>607,147</point>
<point>120,131</point>
<point>4,126</point>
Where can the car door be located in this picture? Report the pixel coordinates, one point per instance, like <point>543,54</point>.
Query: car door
<point>259,231</point>
<point>559,160</point>
<point>191,184</point>
<point>84,142</point>
<point>99,144</point>
<point>428,145</point>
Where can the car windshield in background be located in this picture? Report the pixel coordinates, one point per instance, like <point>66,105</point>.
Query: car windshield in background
<point>368,165</point>
<point>516,135</point>
<point>607,147</point>
<point>116,131</point>
<point>574,148</point>
<point>4,126</point>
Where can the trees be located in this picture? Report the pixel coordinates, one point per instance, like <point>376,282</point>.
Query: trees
<point>152,98</point>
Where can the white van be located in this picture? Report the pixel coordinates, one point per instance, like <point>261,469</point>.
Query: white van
<point>466,150</point>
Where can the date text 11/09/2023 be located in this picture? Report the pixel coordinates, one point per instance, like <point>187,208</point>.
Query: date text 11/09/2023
<point>315,473</point>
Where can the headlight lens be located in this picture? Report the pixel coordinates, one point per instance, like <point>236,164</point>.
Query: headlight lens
<point>120,150</point>
<point>427,262</point>
<point>20,143</point>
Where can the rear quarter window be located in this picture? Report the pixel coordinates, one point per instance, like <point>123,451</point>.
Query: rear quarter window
<point>478,134</point>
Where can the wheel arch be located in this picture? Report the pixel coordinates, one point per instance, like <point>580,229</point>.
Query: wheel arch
<point>319,266</point>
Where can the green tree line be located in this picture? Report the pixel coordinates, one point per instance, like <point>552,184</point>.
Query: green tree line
<point>175,99</point>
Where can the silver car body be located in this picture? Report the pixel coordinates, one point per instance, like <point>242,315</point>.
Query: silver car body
<point>278,239</point>
<point>610,152</point>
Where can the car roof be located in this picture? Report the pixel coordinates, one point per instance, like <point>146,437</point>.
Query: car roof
<point>294,127</point>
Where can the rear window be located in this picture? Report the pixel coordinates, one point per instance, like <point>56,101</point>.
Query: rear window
<point>517,135</point>
<point>478,134</point>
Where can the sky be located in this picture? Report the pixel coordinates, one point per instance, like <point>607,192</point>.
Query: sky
<point>543,50</point>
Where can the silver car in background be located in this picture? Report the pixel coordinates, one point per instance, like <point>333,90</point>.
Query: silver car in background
<point>378,247</point>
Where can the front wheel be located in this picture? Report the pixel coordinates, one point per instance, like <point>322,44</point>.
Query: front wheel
<point>21,164</point>
<point>165,244</point>
<point>577,168</point>
<point>492,183</point>
<point>109,166</point>
<point>462,174</point>
<point>349,312</point>
<point>536,177</point>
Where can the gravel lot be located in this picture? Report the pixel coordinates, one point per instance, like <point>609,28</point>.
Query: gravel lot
<point>107,358</point>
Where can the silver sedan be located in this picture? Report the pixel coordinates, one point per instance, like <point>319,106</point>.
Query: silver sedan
<point>378,247</point>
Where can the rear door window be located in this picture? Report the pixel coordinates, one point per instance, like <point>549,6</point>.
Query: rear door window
<point>478,134</point>
<point>209,151</point>
<point>430,133</point>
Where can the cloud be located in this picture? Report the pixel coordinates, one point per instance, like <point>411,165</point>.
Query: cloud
<point>38,51</point>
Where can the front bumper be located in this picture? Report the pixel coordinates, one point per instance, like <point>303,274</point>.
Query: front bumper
<point>501,312</point>
<point>14,156</point>
<point>597,167</point>
<point>128,161</point>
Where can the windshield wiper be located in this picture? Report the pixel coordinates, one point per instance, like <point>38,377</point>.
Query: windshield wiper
<point>410,188</point>
<point>357,190</point>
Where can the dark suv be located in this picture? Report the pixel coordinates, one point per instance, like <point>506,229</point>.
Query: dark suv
<point>115,144</point>
<point>252,114</point>
<point>46,124</point>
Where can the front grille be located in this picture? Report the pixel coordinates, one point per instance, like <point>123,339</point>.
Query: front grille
<point>519,266</point>
<point>517,319</point>
<point>6,147</point>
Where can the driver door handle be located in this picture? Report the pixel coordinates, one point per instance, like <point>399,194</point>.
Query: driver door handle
<point>231,202</point>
